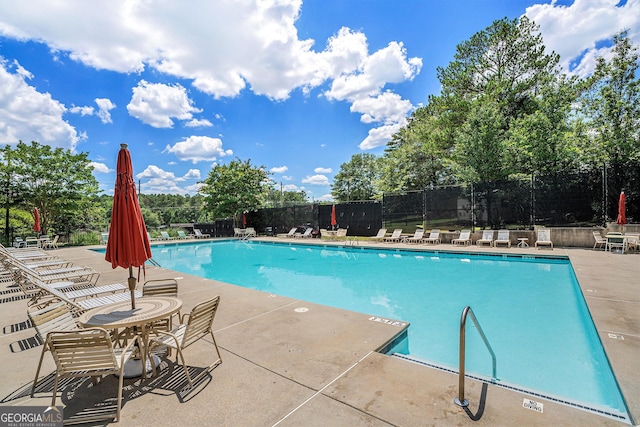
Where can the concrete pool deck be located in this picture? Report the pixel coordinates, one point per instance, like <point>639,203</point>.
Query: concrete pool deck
<point>288,362</point>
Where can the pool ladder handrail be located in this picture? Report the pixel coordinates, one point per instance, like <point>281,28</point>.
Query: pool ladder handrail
<point>154,262</point>
<point>460,400</point>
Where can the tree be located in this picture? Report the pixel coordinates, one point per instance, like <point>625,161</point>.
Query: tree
<point>417,155</point>
<point>356,179</point>
<point>481,151</point>
<point>278,198</point>
<point>235,187</point>
<point>497,78</point>
<point>56,181</point>
<point>544,141</point>
<point>611,106</point>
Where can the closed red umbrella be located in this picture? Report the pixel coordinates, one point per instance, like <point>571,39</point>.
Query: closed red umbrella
<point>128,243</point>
<point>36,220</point>
<point>622,216</point>
<point>244,220</point>
<point>333,216</point>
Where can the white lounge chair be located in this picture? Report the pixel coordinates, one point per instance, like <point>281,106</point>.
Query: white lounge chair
<point>434,237</point>
<point>503,239</point>
<point>165,235</point>
<point>487,237</point>
<point>104,237</point>
<point>305,235</point>
<point>544,238</point>
<point>51,244</point>
<point>199,234</point>
<point>380,236</point>
<point>250,232</point>
<point>463,239</point>
<point>183,236</point>
<point>417,237</point>
<point>291,232</point>
<point>395,236</point>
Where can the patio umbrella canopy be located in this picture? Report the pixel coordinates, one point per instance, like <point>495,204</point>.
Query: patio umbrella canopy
<point>333,216</point>
<point>622,216</point>
<point>36,220</point>
<point>128,243</point>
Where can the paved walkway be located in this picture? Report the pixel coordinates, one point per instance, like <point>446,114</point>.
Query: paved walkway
<point>318,367</point>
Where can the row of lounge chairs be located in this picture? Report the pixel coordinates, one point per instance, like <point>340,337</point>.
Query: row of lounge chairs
<point>488,238</point>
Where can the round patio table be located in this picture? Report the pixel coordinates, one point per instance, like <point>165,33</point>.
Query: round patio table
<point>121,315</point>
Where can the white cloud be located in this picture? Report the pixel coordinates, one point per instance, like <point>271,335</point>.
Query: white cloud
<point>323,170</point>
<point>198,123</point>
<point>198,149</point>
<point>279,169</point>
<point>325,198</point>
<point>316,180</point>
<point>153,172</point>
<point>378,137</point>
<point>363,88</point>
<point>287,177</point>
<point>192,174</point>
<point>156,180</point>
<point>387,108</point>
<point>291,187</point>
<point>157,104</point>
<point>388,65</point>
<point>104,107</point>
<point>83,111</point>
<point>573,31</point>
<point>29,115</point>
<point>100,167</point>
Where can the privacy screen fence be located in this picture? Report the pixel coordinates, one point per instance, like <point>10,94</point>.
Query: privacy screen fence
<point>567,199</point>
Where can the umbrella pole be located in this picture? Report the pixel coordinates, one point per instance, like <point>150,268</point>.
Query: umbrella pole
<point>132,287</point>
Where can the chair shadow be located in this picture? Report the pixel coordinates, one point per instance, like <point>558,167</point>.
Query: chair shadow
<point>481,404</point>
<point>85,401</point>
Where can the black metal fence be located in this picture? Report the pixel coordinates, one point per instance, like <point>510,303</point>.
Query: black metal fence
<point>571,200</point>
<point>579,199</point>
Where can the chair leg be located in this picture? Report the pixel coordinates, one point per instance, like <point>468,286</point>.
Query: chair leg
<point>35,380</point>
<point>120,387</point>
<point>184,365</point>
<point>55,391</point>
<point>214,364</point>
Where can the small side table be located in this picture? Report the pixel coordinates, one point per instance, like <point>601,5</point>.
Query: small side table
<point>522,242</point>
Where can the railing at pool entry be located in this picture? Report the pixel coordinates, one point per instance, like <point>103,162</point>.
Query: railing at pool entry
<point>460,400</point>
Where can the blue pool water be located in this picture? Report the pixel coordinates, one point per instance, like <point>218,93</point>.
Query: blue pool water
<point>531,309</point>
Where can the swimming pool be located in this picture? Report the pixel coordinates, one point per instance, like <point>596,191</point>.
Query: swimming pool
<point>531,308</point>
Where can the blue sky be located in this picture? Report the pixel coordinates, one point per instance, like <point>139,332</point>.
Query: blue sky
<point>297,87</point>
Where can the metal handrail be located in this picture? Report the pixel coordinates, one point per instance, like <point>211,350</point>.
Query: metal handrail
<point>154,262</point>
<point>460,400</point>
